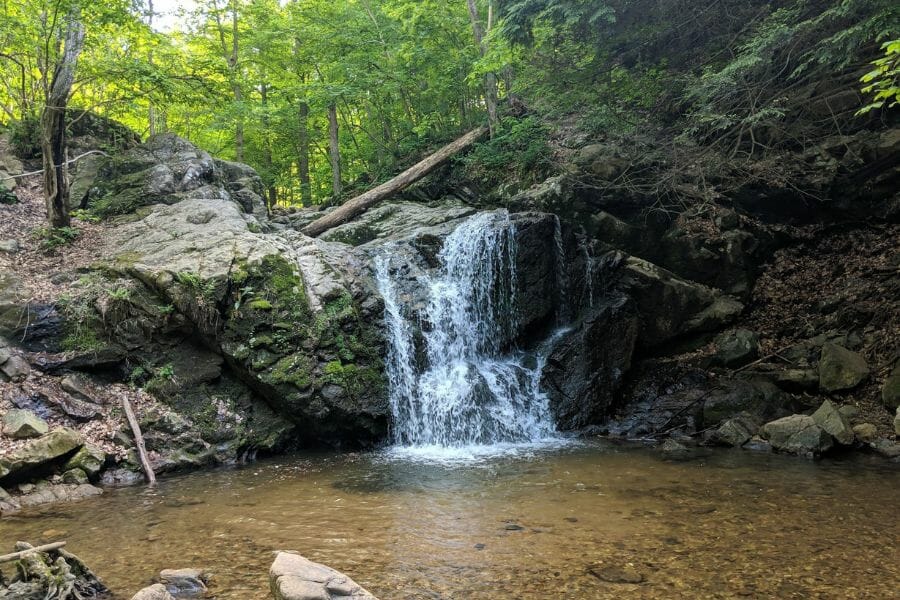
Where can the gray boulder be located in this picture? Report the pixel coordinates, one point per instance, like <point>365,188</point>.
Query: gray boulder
<point>15,368</point>
<point>89,459</point>
<point>736,431</point>
<point>797,380</point>
<point>866,433</point>
<point>830,419</point>
<point>840,369</point>
<point>293,577</point>
<point>184,582</point>
<point>22,424</point>
<point>736,348</point>
<point>797,434</point>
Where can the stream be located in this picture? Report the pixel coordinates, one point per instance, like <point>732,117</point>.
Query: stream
<point>526,523</point>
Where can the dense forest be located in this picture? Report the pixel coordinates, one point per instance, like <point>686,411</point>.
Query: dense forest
<point>324,98</point>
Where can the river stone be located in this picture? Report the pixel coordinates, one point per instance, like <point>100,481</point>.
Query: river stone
<point>154,592</point>
<point>617,574</point>
<point>187,582</point>
<point>736,431</point>
<point>46,493</point>
<point>886,448</point>
<point>840,369</point>
<point>89,459</point>
<point>38,452</point>
<point>797,434</point>
<point>865,432</point>
<point>293,577</point>
<point>736,348</point>
<point>16,368</point>
<point>890,393</point>
<point>20,424</point>
<point>831,420</point>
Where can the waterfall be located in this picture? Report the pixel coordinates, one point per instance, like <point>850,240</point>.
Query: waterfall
<point>459,384</point>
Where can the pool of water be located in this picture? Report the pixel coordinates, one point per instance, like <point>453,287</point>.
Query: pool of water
<point>533,524</point>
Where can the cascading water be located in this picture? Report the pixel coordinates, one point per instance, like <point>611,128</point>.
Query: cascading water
<point>462,388</point>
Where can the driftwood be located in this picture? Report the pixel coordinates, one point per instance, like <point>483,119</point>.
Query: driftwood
<point>23,553</point>
<point>357,205</point>
<point>139,441</point>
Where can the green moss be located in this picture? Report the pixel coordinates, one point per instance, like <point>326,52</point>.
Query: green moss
<point>294,369</point>
<point>260,304</point>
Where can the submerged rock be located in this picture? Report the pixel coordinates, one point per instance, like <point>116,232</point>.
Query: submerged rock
<point>797,434</point>
<point>293,577</point>
<point>627,573</point>
<point>184,582</point>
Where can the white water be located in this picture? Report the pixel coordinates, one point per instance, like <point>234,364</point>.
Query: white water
<point>463,394</point>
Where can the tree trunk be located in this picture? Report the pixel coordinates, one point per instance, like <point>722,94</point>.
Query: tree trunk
<point>53,123</point>
<point>334,150</point>
<point>490,80</point>
<point>359,204</point>
<point>303,159</point>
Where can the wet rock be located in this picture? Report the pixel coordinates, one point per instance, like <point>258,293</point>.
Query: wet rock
<point>15,368</point>
<point>757,444</point>
<point>832,421</point>
<point>154,592</point>
<point>39,452</point>
<point>21,424</point>
<point>736,431</point>
<point>8,504</point>
<point>49,493</point>
<point>120,477</point>
<point>797,434</point>
<point>293,577</point>
<point>617,574</point>
<point>726,398</point>
<point>840,369</point>
<point>865,432</point>
<point>736,348</point>
<point>184,582</point>
<point>890,393</point>
<point>798,380</point>
<point>886,448</point>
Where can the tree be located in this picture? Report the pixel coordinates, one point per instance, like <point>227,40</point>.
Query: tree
<point>490,78</point>
<point>53,119</point>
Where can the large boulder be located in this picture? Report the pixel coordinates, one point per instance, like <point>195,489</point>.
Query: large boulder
<point>40,452</point>
<point>20,424</point>
<point>840,369</point>
<point>293,577</point>
<point>736,348</point>
<point>797,434</point>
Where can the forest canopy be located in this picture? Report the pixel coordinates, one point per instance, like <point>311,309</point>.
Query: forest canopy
<point>328,98</point>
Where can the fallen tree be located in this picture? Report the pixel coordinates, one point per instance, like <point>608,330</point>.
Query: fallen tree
<point>363,202</point>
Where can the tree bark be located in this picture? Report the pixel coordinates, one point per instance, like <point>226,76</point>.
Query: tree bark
<point>490,79</point>
<point>303,158</point>
<point>359,204</point>
<point>334,150</point>
<point>53,123</point>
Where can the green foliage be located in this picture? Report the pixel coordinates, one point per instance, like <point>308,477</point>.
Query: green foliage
<point>7,196</point>
<point>53,238</point>
<point>884,81</point>
<point>25,136</point>
<point>84,215</point>
<point>519,149</point>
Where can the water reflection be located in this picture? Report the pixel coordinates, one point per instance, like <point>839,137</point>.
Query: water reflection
<point>719,525</point>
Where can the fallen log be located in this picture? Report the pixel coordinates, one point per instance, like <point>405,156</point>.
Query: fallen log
<point>361,203</point>
<point>23,553</point>
<point>139,441</point>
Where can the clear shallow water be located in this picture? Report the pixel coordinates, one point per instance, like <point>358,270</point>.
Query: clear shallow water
<point>718,524</point>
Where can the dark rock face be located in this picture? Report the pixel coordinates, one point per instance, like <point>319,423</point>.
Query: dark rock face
<point>587,366</point>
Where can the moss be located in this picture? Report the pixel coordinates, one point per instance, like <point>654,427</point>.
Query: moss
<point>260,304</point>
<point>294,369</point>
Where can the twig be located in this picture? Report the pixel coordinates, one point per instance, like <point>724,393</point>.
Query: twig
<point>17,555</point>
<point>138,440</point>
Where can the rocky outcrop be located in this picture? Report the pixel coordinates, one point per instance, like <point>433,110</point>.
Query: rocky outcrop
<point>40,452</point>
<point>293,577</point>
